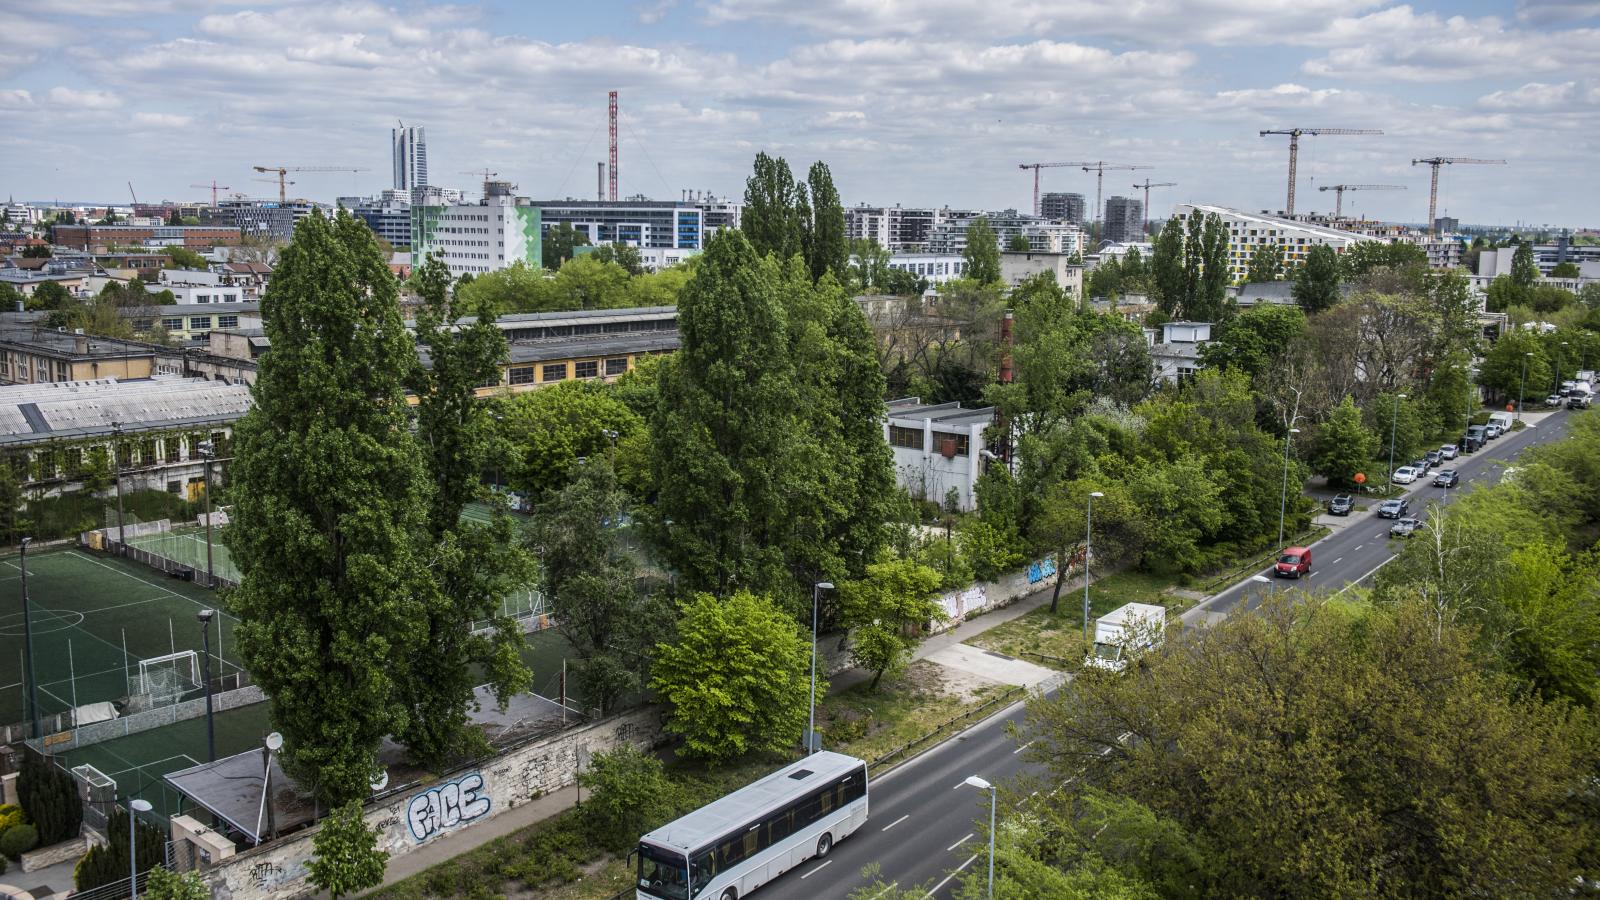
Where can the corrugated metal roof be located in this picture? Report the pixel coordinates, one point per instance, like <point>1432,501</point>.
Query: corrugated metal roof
<point>88,408</point>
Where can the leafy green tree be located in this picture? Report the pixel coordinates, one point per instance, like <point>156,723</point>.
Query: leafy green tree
<point>557,244</point>
<point>869,265</point>
<point>108,863</point>
<point>549,429</point>
<point>1255,341</point>
<point>1368,256</point>
<point>737,679</point>
<point>826,249</point>
<point>1168,271</point>
<point>886,612</point>
<point>1502,294</point>
<point>516,288</point>
<point>624,255</point>
<point>184,258</point>
<point>1549,298</point>
<point>49,296</point>
<point>1399,424</point>
<point>1266,264</point>
<point>982,252</point>
<point>328,553</point>
<point>1017,244</point>
<point>1316,287</point>
<point>347,859</point>
<point>36,251</point>
<point>1210,275</point>
<point>589,282</point>
<point>1343,445</point>
<point>165,884</point>
<point>773,200</point>
<point>1567,269</point>
<point>1508,369</point>
<point>49,796</point>
<point>629,794</point>
<point>1524,271</point>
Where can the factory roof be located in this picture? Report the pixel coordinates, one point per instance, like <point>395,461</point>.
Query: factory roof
<point>30,413</point>
<point>69,344</point>
<point>939,413</point>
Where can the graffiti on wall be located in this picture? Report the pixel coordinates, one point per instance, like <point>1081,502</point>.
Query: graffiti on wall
<point>447,805</point>
<point>1041,570</point>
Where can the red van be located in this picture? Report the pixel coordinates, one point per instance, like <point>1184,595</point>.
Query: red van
<point>1294,563</point>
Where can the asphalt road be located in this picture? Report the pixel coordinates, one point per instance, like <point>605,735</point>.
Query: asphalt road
<point>924,820</point>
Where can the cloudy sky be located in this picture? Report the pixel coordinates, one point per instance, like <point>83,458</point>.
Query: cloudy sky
<point>910,101</point>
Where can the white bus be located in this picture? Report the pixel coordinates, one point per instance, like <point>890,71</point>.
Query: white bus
<point>728,848</point>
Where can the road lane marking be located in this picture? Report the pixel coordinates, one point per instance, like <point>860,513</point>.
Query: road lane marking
<point>1339,560</point>
<point>960,842</point>
<point>895,822</point>
<point>886,890</point>
<point>825,864</point>
<point>1022,748</point>
<point>1369,574</point>
<point>952,875</point>
<point>1359,546</point>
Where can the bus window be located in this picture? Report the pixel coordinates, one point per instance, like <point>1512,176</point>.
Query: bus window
<point>781,825</point>
<point>663,873</point>
<point>705,869</point>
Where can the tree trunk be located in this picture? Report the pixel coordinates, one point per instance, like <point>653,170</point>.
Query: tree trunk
<point>873,687</point>
<point>1061,574</point>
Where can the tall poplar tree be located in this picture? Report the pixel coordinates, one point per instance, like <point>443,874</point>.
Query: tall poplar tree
<point>1266,264</point>
<point>1212,276</point>
<point>827,249</point>
<point>330,495</point>
<point>982,252</point>
<point>771,220</point>
<point>1316,287</point>
<point>1167,269</point>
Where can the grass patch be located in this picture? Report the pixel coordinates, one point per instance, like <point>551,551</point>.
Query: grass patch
<point>869,724</point>
<point>1056,639</point>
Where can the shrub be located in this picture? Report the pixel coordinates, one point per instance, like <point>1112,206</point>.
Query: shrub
<point>18,839</point>
<point>164,884</point>
<point>49,798</point>
<point>3,865</point>
<point>10,815</point>
<point>629,795</point>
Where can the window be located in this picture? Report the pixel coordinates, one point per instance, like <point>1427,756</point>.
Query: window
<point>553,372</point>
<point>588,368</point>
<point>616,365</point>
<point>227,321</point>
<point>910,438</point>
<point>199,323</point>
<point>520,374</point>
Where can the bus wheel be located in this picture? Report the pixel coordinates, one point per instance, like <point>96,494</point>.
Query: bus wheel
<point>824,844</point>
<point>730,894</point>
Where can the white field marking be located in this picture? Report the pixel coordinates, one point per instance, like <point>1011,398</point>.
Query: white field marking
<point>148,583</point>
<point>969,837</point>
<point>1359,546</point>
<point>825,864</point>
<point>895,822</point>
<point>952,875</point>
<point>1022,748</point>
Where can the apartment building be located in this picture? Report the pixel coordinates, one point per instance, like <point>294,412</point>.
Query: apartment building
<point>1249,232</point>
<point>1063,207</point>
<point>1043,235</point>
<point>897,229</point>
<point>474,238</point>
<point>109,238</point>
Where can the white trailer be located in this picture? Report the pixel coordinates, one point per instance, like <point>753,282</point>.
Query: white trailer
<point>1125,632</point>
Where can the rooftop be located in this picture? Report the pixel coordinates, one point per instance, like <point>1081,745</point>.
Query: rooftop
<point>1279,222</point>
<point>939,413</point>
<point>65,409</point>
<point>70,345</point>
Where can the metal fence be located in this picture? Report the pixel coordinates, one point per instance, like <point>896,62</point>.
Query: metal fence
<point>171,567</point>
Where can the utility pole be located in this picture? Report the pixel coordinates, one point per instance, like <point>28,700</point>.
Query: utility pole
<point>1433,189</point>
<point>1294,150</point>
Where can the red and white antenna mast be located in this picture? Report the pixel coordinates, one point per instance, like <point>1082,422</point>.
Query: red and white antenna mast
<point>613,173</point>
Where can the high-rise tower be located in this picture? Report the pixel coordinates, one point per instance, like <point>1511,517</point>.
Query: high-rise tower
<point>410,148</point>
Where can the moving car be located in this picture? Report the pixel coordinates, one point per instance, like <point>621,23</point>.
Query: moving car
<point>1294,563</point>
<point>1404,527</point>
<point>1449,451</point>
<point>1341,505</point>
<point>1447,478</point>
<point>1404,475</point>
<point>1393,509</point>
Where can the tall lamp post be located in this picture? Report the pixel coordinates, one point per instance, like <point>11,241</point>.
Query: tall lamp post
<point>116,474</point>
<point>982,785</point>
<point>811,717</point>
<point>208,450</point>
<point>204,617</point>
<point>1394,424</point>
<point>1523,391</point>
<point>1561,361</point>
<point>1283,498</point>
<point>1088,536</point>
<point>27,641</point>
<point>135,807</point>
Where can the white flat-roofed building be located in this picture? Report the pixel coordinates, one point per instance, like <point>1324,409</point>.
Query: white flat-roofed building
<point>937,448</point>
<point>1249,232</point>
<point>1175,348</point>
<point>936,267</point>
<point>1016,267</point>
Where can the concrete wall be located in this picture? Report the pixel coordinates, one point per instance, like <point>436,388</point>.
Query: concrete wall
<point>462,799</point>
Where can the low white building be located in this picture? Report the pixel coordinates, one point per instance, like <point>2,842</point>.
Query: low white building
<point>937,448</point>
<point>936,267</point>
<point>194,286</point>
<point>1017,267</point>
<point>1175,348</point>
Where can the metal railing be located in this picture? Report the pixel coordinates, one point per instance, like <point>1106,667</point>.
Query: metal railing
<point>1006,698</point>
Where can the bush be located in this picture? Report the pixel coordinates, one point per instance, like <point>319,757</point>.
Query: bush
<point>49,798</point>
<point>18,839</point>
<point>629,795</point>
<point>10,815</point>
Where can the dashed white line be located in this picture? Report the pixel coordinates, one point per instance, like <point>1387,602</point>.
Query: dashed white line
<point>1359,546</point>
<point>960,842</point>
<point>825,864</point>
<point>895,822</point>
<point>1339,560</point>
<point>1022,748</point>
<point>952,875</point>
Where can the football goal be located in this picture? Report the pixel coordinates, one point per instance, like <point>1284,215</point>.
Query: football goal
<point>165,679</point>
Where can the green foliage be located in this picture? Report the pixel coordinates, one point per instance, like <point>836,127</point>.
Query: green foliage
<point>36,251</point>
<point>555,247</point>
<point>184,258</point>
<point>1316,287</point>
<point>48,296</point>
<point>1368,256</point>
<point>547,430</point>
<point>1343,445</point>
<point>165,884</point>
<point>11,815</point>
<point>1398,427</point>
<point>334,580</point>
<point>49,798</point>
<point>590,281</point>
<point>1516,363</point>
<point>1167,269</point>
<point>108,863</point>
<point>18,839</point>
<point>1266,264</point>
<point>991,550</point>
<point>629,793</point>
<point>1254,341</point>
<point>886,612</point>
<point>1524,271</point>
<point>347,859</point>
<point>1567,269</point>
<point>624,255</point>
<point>776,209</point>
<point>823,235</point>
<point>737,679</point>
<point>982,252</point>
<point>1017,244</point>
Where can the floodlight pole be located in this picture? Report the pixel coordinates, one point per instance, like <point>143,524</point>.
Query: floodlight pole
<point>27,642</point>
<point>1283,498</point>
<point>134,808</point>
<point>207,451</point>
<point>204,617</point>
<point>116,470</point>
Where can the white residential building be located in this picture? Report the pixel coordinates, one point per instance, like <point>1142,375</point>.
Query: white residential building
<point>1017,267</point>
<point>486,236</point>
<point>1249,232</point>
<point>1043,235</point>
<point>1175,348</point>
<point>194,286</point>
<point>937,448</point>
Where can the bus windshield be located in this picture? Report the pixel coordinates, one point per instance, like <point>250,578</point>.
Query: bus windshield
<point>663,873</point>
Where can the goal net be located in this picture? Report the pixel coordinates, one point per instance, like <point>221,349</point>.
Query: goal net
<point>98,793</point>
<point>165,679</point>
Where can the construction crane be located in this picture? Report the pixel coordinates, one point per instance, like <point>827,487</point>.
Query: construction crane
<point>214,188</point>
<point>1433,191</point>
<point>1339,189</point>
<point>132,194</point>
<point>483,174</point>
<point>281,171</point>
<point>1036,167</point>
<point>1147,186</point>
<point>1294,150</point>
<point>1099,168</point>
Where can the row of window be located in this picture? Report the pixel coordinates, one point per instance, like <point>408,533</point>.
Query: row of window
<point>196,323</point>
<point>911,439</point>
<point>548,372</point>
<point>734,848</point>
<point>74,461</point>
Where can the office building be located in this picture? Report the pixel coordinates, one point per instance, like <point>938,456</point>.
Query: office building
<point>1043,235</point>
<point>409,145</point>
<point>1248,232</point>
<point>108,238</point>
<point>937,268</point>
<point>1124,220</point>
<point>264,218</point>
<point>485,236</point>
<point>716,213</point>
<point>1061,206</point>
<point>642,223</point>
<point>388,215</point>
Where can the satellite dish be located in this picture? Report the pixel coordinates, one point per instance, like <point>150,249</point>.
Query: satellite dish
<point>275,742</point>
<point>382,781</point>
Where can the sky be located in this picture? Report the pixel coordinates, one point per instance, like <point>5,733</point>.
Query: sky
<point>926,103</point>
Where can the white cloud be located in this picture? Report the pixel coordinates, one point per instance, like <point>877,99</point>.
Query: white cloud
<point>1401,44</point>
<point>1531,96</point>
<point>1549,12</point>
<point>161,120</point>
<point>15,98</point>
<point>70,98</point>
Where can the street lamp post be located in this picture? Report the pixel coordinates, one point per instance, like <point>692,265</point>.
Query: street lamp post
<point>811,717</point>
<point>134,808</point>
<point>1523,390</point>
<point>27,642</point>
<point>204,617</point>
<point>1283,499</point>
<point>1394,424</point>
<point>208,450</point>
<point>982,785</point>
<point>1561,359</point>
<point>1088,536</point>
<point>116,475</point>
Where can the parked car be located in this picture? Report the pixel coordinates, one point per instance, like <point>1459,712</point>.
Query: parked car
<point>1447,478</point>
<point>1491,431</point>
<point>1294,563</point>
<point>1404,527</point>
<point>1474,439</point>
<point>1341,505</point>
<point>1405,475</point>
<point>1554,400</point>
<point>1434,457</point>
<point>1393,509</point>
<point>1449,451</point>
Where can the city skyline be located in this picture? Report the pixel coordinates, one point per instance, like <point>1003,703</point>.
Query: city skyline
<point>919,104</point>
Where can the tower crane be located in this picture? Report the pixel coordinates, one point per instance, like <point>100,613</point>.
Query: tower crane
<point>1147,186</point>
<point>1036,167</point>
<point>1433,191</point>
<point>1294,150</point>
<point>214,188</point>
<point>1339,189</point>
<point>1099,169</point>
<point>281,171</point>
